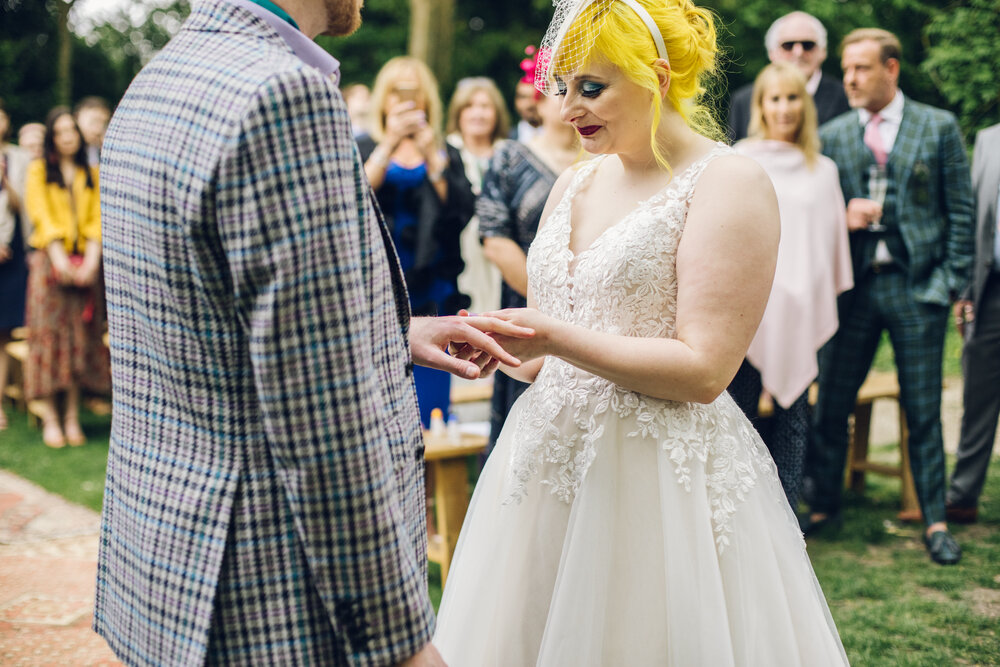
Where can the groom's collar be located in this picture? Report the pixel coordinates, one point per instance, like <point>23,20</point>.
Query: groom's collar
<point>307,50</point>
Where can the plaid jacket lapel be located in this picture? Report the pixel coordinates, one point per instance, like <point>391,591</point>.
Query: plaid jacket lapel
<point>853,158</point>
<point>904,150</point>
<point>861,158</point>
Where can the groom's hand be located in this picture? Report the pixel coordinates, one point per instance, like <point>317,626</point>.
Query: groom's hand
<point>427,657</point>
<point>468,336</point>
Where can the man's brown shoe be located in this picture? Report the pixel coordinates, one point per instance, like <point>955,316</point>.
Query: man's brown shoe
<point>960,514</point>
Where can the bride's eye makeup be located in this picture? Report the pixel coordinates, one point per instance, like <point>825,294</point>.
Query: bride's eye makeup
<point>591,88</point>
<point>560,87</point>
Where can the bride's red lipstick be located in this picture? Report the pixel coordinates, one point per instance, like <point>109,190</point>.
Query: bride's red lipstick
<point>589,130</point>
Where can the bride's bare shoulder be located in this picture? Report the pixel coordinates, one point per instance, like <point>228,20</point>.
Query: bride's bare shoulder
<point>736,170</point>
<point>736,184</point>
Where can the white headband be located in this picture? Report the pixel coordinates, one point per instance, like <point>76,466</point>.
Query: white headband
<point>661,48</point>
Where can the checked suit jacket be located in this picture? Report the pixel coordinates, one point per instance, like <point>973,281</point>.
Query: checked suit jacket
<point>264,501</point>
<point>933,197</point>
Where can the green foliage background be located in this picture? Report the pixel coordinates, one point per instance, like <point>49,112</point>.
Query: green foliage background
<point>951,49</point>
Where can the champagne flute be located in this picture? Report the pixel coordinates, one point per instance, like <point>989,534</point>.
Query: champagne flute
<point>878,183</point>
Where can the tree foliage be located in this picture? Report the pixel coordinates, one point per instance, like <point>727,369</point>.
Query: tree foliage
<point>129,43</point>
<point>962,60</point>
<point>951,51</point>
<point>30,60</point>
<point>489,40</point>
<point>747,21</point>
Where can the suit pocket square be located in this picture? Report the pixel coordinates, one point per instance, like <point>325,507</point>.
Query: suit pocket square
<point>920,179</point>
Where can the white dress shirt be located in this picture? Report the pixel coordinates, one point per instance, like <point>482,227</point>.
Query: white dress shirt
<point>892,116</point>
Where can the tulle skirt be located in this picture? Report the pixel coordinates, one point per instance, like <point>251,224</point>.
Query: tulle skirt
<point>630,571</point>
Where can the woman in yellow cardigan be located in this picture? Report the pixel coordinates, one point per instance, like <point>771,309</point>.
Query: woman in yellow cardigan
<point>65,313</point>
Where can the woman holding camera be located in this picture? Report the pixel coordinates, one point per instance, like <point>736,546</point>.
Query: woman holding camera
<point>421,186</point>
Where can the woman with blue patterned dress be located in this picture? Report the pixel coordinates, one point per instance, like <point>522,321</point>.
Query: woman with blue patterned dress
<point>509,208</point>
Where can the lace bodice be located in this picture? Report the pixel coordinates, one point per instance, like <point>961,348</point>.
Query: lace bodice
<point>624,283</point>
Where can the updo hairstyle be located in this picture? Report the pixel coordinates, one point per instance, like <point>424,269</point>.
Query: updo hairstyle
<point>624,40</point>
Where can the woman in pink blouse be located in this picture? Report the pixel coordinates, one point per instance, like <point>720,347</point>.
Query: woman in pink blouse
<point>814,266</point>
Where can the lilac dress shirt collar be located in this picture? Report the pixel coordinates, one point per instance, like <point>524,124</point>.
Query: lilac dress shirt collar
<point>307,50</point>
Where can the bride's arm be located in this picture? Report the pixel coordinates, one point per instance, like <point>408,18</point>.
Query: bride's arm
<point>725,265</point>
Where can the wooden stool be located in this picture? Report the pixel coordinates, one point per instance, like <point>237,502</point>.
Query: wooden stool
<point>447,468</point>
<point>877,386</point>
<point>17,353</point>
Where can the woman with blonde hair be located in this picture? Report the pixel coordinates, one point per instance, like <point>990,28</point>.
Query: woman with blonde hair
<point>477,124</point>
<point>813,267</point>
<point>421,186</point>
<point>65,313</point>
<point>630,514</point>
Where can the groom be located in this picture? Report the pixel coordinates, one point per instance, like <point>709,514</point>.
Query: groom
<point>264,499</point>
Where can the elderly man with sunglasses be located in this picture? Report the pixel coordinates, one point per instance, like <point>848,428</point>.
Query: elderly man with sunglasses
<point>800,39</point>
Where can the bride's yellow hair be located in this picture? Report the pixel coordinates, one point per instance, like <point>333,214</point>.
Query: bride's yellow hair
<point>623,39</point>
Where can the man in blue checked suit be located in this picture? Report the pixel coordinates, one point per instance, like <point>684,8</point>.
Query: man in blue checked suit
<point>907,270</point>
<point>264,500</point>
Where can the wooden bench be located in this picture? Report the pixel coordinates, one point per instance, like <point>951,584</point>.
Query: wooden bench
<point>877,386</point>
<point>471,392</point>
<point>17,353</point>
<point>448,486</point>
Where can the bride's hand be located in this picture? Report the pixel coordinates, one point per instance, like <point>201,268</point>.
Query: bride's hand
<point>432,337</point>
<point>427,657</point>
<point>525,349</point>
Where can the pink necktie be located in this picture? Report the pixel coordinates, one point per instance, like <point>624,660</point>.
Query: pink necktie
<point>873,140</point>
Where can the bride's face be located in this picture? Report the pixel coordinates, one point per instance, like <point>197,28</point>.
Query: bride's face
<point>611,113</point>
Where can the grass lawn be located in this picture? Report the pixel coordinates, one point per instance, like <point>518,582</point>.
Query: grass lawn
<point>891,604</point>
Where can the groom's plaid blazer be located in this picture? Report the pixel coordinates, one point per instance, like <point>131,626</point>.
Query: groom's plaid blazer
<point>264,500</point>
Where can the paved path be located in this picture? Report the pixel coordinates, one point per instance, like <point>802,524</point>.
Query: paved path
<point>48,561</point>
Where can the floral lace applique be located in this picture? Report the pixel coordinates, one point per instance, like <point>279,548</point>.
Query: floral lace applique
<point>625,283</point>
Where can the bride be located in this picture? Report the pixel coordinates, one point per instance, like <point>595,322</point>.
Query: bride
<point>630,515</point>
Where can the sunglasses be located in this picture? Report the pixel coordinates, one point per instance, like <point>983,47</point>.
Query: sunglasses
<point>806,44</point>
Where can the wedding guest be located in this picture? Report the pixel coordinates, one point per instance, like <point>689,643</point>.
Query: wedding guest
<point>797,38</point>
<point>907,272</point>
<point>510,207</point>
<point>814,266</point>
<point>264,498</point>
<point>31,138</point>
<point>357,97</point>
<point>630,514</point>
<point>92,115</point>
<point>977,315</point>
<point>13,269</point>
<point>526,100</point>
<point>65,312</point>
<point>477,123</point>
<point>420,183</point>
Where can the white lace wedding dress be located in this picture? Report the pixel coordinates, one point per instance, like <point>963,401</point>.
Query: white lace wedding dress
<point>614,529</point>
